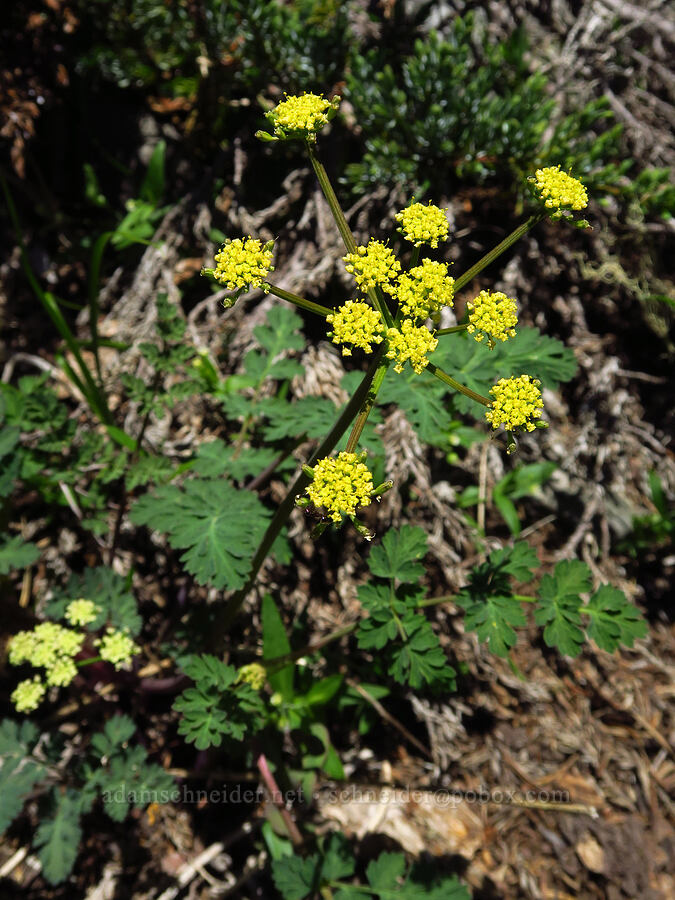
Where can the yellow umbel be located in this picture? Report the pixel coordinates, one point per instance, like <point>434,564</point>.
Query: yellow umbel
<point>492,316</point>
<point>517,401</point>
<point>422,224</point>
<point>558,190</point>
<point>341,484</point>
<point>356,323</point>
<point>409,343</point>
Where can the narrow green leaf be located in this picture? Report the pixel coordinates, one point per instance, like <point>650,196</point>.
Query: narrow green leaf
<point>275,644</point>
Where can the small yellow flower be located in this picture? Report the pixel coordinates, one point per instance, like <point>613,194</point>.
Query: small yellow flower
<point>422,224</point>
<point>61,672</point>
<point>373,265</point>
<point>356,323</point>
<point>425,289</point>
<point>82,612</point>
<point>306,113</point>
<point>341,484</point>
<point>517,402</point>
<point>412,343</point>
<point>558,190</point>
<point>243,263</point>
<point>28,694</point>
<point>117,647</point>
<point>494,316</point>
<point>253,674</point>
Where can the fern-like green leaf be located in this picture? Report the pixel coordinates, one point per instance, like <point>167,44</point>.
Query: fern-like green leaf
<point>398,555</point>
<point>614,620</point>
<point>217,526</point>
<point>19,772</point>
<point>493,618</point>
<point>216,706</point>
<point>294,877</point>
<point>559,604</point>
<point>116,732</point>
<point>15,553</point>
<point>422,401</point>
<point>58,838</point>
<point>216,458</point>
<point>420,658</point>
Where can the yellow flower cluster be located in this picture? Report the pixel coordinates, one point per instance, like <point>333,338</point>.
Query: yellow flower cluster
<point>422,224</point>
<point>253,674</point>
<point>357,323</point>
<point>409,342</point>
<point>116,647</point>
<point>494,316</point>
<point>28,694</point>
<point>341,484</point>
<point>44,645</point>
<point>373,265</point>
<point>48,646</point>
<point>558,190</point>
<point>243,263</point>
<point>82,612</point>
<point>517,402</point>
<point>306,112</point>
<point>425,289</point>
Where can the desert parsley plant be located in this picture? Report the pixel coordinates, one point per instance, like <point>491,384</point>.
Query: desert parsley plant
<point>389,320</point>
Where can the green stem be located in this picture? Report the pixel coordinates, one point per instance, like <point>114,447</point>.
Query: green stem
<point>329,194</point>
<point>88,662</point>
<point>365,410</point>
<point>279,662</point>
<point>435,601</point>
<point>452,330</point>
<point>93,291</point>
<point>414,257</point>
<point>376,296</point>
<point>523,598</point>
<point>286,506</point>
<point>498,250</point>
<point>299,301</point>
<point>450,381</point>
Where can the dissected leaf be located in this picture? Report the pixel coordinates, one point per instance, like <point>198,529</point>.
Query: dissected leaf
<point>493,618</point>
<point>116,732</point>
<point>421,399</point>
<point>386,872</point>
<point>58,838</point>
<point>215,458</point>
<point>519,561</point>
<point>614,620</point>
<point>398,553</point>
<point>216,706</point>
<point>294,877</point>
<point>420,658</point>
<point>559,604</point>
<point>217,526</point>
<point>312,416</point>
<point>338,859</point>
<point>15,553</point>
<point>19,772</point>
